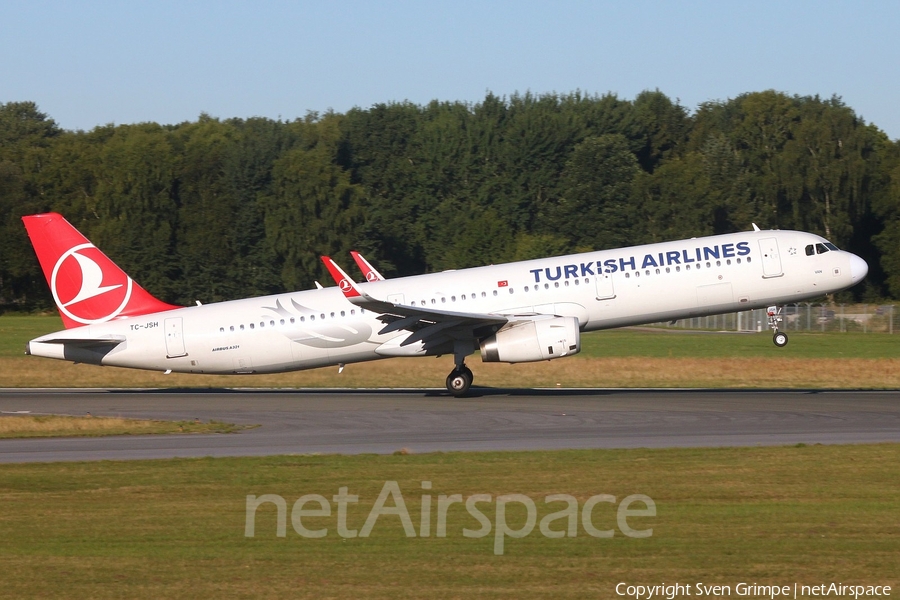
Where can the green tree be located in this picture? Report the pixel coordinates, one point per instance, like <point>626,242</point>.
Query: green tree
<point>313,210</point>
<point>594,211</point>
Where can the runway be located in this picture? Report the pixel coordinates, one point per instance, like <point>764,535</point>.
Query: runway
<point>384,421</point>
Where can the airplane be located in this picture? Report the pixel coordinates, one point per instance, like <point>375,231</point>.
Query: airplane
<point>516,312</point>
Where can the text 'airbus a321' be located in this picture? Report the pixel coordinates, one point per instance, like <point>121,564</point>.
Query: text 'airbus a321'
<point>515,312</point>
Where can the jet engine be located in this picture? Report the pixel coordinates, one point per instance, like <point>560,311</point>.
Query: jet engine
<point>531,339</point>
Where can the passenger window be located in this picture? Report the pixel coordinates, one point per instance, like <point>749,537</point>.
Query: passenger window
<point>443,299</point>
<point>627,275</point>
<point>556,284</point>
<point>332,315</point>
<point>322,316</point>
<point>495,292</point>
<point>637,273</point>
<point>511,290</point>
<point>748,259</point>
<point>728,262</point>
<point>718,263</point>
<point>221,330</point>
<point>678,269</point>
<point>657,271</point>
<point>668,270</point>
<point>343,314</point>
<point>292,320</point>
<point>737,260</point>
<point>252,326</point>
<point>312,317</point>
<point>242,326</point>
<point>453,298</point>
<point>708,265</point>
<point>282,321</point>
<point>526,288</point>
<point>577,282</point>
<point>687,267</point>
<point>231,328</point>
<point>546,286</point>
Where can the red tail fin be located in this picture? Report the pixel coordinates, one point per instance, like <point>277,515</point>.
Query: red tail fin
<point>87,286</point>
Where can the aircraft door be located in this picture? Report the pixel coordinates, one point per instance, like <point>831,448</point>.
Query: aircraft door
<point>605,289</point>
<point>771,260</point>
<point>174,338</point>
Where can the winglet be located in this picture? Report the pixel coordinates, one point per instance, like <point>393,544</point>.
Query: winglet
<point>347,285</point>
<point>367,269</point>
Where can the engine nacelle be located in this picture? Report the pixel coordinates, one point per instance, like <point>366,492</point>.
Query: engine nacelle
<point>531,339</point>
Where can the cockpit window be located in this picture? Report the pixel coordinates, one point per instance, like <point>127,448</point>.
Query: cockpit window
<point>820,248</point>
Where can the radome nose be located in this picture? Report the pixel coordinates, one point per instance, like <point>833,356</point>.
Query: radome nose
<point>858,268</point>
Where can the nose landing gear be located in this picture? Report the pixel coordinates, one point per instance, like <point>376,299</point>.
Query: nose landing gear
<point>780,338</point>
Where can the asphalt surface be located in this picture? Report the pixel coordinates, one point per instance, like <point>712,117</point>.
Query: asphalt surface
<point>384,421</point>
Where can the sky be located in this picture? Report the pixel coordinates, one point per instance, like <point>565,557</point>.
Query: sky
<point>90,63</point>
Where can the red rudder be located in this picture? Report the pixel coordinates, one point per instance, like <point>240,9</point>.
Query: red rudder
<point>87,286</point>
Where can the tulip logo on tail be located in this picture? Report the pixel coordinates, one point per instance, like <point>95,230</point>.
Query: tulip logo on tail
<point>83,291</point>
<point>371,276</point>
<point>345,286</point>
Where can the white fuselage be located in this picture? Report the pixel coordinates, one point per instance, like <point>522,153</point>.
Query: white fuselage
<point>605,289</point>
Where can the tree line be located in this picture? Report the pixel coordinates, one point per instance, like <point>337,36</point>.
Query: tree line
<point>220,209</point>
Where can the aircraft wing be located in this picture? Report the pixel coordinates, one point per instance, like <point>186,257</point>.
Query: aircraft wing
<point>429,326</point>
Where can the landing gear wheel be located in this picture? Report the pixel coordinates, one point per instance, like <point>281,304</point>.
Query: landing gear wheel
<point>459,381</point>
<point>774,317</point>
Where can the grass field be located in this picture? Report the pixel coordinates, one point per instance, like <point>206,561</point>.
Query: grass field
<point>27,426</point>
<point>176,529</point>
<point>618,358</point>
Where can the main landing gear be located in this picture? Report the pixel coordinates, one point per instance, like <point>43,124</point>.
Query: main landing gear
<point>780,338</point>
<point>460,378</point>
